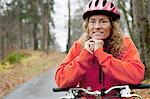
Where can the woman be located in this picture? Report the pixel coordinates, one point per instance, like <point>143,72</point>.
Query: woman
<point>103,56</point>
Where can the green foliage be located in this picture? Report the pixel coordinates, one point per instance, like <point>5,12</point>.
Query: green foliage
<point>14,57</point>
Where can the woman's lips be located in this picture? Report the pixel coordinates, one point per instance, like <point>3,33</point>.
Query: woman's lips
<point>98,35</point>
<point>98,32</point>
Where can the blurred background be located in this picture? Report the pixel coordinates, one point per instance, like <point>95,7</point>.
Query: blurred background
<point>40,30</point>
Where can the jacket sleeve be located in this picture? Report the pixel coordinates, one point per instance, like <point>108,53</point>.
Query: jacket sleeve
<point>74,66</point>
<point>128,70</point>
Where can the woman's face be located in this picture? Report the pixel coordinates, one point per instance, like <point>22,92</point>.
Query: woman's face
<point>99,27</point>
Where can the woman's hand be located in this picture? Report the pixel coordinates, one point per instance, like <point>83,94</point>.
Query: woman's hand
<point>98,44</point>
<point>89,46</point>
<point>93,44</point>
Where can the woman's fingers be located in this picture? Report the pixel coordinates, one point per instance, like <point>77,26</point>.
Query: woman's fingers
<point>98,44</point>
<point>93,44</point>
<point>89,45</point>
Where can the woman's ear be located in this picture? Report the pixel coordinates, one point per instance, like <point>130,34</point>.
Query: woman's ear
<point>86,30</point>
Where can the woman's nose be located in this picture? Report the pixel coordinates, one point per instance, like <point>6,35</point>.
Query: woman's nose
<point>98,25</point>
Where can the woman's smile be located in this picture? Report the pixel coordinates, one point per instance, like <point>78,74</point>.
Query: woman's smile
<point>98,35</point>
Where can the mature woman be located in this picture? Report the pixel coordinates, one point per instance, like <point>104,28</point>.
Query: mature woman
<point>103,56</point>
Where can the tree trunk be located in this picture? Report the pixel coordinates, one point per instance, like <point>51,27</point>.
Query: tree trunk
<point>69,28</point>
<point>2,46</point>
<point>35,40</point>
<point>21,35</point>
<point>125,13</point>
<point>147,21</point>
<point>35,22</point>
<point>46,10</point>
<point>142,29</point>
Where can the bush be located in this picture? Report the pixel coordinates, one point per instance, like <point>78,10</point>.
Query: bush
<point>14,57</point>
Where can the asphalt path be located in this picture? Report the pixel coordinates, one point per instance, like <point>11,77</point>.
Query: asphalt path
<point>38,88</point>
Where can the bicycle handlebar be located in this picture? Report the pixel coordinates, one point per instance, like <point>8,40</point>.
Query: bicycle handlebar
<point>60,89</point>
<point>140,86</point>
<point>94,93</point>
<point>124,91</point>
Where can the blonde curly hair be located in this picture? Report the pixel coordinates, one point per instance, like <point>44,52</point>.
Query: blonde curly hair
<point>113,44</point>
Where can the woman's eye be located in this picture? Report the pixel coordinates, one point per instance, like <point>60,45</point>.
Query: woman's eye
<point>92,21</point>
<point>104,21</point>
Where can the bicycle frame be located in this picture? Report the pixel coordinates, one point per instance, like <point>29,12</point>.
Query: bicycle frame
<point>124,91</point>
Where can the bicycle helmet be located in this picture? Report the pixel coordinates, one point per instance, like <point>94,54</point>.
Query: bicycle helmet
<point>106,7</point>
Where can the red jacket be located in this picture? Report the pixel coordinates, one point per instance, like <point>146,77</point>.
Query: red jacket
<point>82,68</point>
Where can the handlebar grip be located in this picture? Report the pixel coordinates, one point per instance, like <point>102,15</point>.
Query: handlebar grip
<point>140,86</point>
<point>60,89</point>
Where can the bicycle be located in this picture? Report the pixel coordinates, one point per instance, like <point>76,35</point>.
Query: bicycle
<point>123,91</point>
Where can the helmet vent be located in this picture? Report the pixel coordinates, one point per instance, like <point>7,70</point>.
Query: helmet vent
<point>112,5</point>
<point>96,3</point>
<point>90,4</point>
<point>104,2</point>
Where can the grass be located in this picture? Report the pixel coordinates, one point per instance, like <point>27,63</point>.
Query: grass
<point>145,93</point>
<point>22,70</point>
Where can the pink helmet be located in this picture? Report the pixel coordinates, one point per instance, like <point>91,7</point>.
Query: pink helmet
<point>106,7</point>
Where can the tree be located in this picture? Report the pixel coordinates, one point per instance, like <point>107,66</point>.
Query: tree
<point>2,39</point>
<point>47,23</point>
<point>126,12</point>
<point>23,25</point>
<point>69,27</point>
<point>141,17</point>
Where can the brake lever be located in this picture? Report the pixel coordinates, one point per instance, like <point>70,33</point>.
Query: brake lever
<point>126,92</point>
<point>69,95</point>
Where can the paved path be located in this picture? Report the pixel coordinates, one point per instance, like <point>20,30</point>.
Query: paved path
<point>37,88</point>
